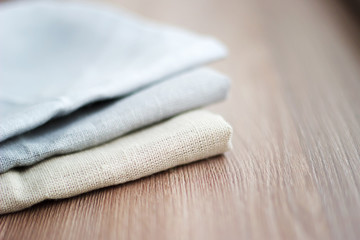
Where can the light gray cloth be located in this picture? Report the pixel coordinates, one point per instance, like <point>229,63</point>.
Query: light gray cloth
<point>105,121</point>
<point>56,57</point>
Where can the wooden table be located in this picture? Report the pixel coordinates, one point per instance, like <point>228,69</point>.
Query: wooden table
<point>294,171</point>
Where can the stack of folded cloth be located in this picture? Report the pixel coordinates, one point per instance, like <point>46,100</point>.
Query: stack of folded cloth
<point>91,97</point>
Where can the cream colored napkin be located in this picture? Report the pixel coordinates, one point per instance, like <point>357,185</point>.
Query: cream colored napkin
<point>183,139</point>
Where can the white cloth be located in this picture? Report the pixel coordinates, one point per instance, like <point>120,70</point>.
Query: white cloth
<point>56,57</point>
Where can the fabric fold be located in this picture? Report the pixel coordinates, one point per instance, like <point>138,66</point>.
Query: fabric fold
<point>57,57</point>
<point>183,139</point>
<point>105,121</point>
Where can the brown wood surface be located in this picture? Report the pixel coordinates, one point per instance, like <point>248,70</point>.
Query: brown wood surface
<point>294,171</point>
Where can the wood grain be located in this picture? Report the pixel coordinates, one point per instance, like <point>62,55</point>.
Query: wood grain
<point>294,171</point>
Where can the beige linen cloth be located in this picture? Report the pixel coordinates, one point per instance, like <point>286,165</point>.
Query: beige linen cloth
<point>183,139</point>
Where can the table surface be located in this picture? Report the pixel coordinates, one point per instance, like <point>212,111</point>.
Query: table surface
<point>294,170</point>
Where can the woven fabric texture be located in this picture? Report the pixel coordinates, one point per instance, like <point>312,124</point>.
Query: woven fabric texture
<point>56,57</point>
<point>105,121</point>
<point>183,139</point>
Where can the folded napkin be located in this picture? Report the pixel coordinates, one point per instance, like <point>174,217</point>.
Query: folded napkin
<point>56,57</point>
<point>189,137</point>
<point>105,121</point>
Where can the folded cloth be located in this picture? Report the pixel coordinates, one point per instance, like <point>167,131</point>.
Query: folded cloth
<point>56,57</point>
<point>188,137</point>
<point>105,121</point>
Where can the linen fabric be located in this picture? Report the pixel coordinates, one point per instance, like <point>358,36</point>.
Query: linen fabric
<point>56,57</point>
<point>105,121</point>
<point>188,137</point>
